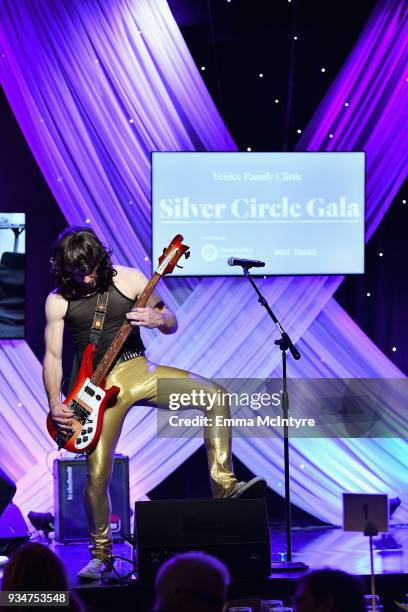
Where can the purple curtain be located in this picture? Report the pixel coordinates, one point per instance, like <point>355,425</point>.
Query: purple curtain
<point>95,88</point>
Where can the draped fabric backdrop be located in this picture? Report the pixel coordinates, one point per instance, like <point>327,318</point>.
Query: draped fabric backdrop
<point>95,88</point>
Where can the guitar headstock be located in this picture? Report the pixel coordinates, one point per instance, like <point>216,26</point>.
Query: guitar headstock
<point>172,254</point>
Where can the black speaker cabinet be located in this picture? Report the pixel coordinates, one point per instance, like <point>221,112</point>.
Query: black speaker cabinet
<point>69,484</point>
<point>7,490</point>
<point>235,531</point>
<point>13,530</point>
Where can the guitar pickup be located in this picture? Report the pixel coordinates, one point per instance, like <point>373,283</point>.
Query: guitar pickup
<point>81,414</point>
<point>89,391</point>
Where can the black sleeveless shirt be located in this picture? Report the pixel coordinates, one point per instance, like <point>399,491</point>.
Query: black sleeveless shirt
<point>79,317</point>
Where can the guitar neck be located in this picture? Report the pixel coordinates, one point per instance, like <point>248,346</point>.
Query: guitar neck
<point>103,368</point>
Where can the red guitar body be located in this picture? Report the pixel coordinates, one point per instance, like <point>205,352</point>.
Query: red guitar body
<point>89,403</point>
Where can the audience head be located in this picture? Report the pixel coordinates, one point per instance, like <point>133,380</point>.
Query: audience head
<point>192,581</point>
<point>329,590</point>
<point>35,567</point>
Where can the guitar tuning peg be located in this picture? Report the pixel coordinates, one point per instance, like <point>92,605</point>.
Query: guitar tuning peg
<point>187,254</point>
<point>177,266</point>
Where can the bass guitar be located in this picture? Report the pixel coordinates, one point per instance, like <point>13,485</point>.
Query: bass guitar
<point>89,399</point>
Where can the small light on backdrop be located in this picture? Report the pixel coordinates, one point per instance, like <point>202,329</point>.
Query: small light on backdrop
<point>59,178</point>
<point>323,69</point>
<point>404,201</point>
<point>299,131</point>
<point>368,294</point>
<point>302,466</point>
<point>346,104</point>
<point>380,254</point>
<point>249,149</point>
<point>394,348</point>
<point>87,220</point>
<point>260,75</point>
<point>203,68</point>
<point>19,405</point>
<point>96,61</point>
<point>330,135</point>
<point>295,38</point>
<point>130,202</point>
<point>276,101</point>
<point>146,258</point>
<point>130,120</point>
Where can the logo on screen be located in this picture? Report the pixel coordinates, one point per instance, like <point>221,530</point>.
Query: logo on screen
<point>209,252</point>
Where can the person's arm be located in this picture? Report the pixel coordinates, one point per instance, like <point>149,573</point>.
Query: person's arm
<point>169,324</point>
<point>155,314</point>
<point>55,308</point>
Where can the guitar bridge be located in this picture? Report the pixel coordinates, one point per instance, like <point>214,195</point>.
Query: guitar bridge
<point>62,438</point>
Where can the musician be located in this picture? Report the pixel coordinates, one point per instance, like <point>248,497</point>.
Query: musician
<point>82,269</point>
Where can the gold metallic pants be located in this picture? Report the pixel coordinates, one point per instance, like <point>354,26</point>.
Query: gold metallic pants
<point>137,380</point>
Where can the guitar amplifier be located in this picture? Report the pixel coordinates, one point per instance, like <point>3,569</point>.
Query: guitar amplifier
<point>69,484</point>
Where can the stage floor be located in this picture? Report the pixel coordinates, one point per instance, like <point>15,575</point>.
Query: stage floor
<point>316,546</point>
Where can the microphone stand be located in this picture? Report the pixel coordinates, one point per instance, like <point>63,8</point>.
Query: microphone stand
<point>285,344</point>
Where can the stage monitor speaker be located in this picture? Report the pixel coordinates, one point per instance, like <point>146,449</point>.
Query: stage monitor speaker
<point>69,484</point>
<point>235,531</point>
<point>7,490</point>
<point>13,530</point>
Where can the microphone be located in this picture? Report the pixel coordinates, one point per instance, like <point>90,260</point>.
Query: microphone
<point>245,263</point>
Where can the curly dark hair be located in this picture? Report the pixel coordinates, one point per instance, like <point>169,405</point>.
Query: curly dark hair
<point>78,249</point>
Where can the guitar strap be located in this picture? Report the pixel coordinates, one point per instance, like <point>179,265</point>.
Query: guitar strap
<point>94,335</point>
<point>99,317</point>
